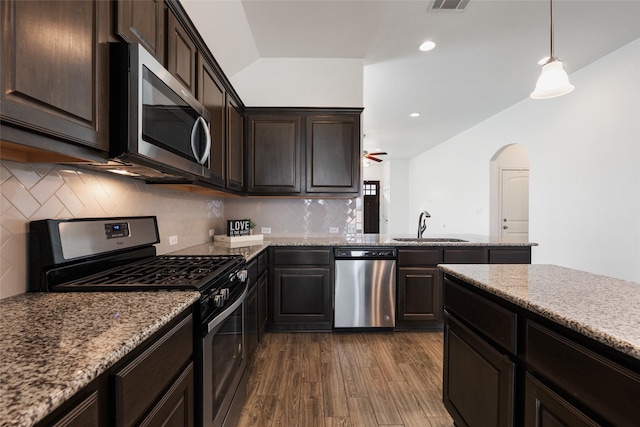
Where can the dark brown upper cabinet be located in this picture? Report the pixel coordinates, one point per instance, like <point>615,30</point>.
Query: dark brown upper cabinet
<point>55,62</point>
<point>333,154</point>
<point>273,155</point>
<point>144,22</point>
<point>212,95</point>
<point>181,53</point>
<point>235,146</point>
<point>303,151</point>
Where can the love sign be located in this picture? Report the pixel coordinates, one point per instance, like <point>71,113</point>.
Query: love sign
<point>238,227</point>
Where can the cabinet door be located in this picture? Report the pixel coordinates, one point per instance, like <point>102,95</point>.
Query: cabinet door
<point>274,154</point>
<point>333,154</point>
<point>251,325</point>
<point>55,62</point>
<point>212,96</point>
<point>303,296</point>
<point>544,408</point>
<point>263,303</point>
<point>143,21</point>
<point>181,54</point>
<point>176,407</point>
<point>235,146</point>
<point>419,294</point>
<point>478,382</point>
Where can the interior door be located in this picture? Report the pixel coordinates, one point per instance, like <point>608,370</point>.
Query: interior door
<point>514,205</point>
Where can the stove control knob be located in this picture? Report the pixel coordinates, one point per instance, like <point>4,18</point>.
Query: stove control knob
<point>218,300</point>
<point>225,293</point>
<point>242,275</point>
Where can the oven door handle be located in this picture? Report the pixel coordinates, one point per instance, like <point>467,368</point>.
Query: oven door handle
<point>227,311</point>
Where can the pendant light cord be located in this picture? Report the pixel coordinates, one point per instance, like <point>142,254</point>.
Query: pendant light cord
<point>552,57</point>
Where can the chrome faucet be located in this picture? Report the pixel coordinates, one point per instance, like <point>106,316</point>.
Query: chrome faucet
<point>422,223</point>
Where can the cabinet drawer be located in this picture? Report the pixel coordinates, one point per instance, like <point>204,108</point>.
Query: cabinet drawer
<point>465,256</point>
<point>140,383</point>
<point>510,256</point>
<point>302,256</point>
<point>496,322</point>
<point>608,389</point>
<point>419,257</point>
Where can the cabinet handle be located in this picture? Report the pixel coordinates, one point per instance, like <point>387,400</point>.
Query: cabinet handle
<point>201,122</point>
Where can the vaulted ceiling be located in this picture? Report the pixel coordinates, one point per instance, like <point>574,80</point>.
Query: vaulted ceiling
<point>485,59</point>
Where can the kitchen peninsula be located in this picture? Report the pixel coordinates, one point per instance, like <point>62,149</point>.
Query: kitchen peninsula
<point>540,343</point>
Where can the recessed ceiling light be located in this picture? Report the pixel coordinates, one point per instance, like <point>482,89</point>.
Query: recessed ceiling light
<point>427,46</point>
<point>414,114</point>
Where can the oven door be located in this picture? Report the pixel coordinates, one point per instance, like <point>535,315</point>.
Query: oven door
<point>223,363</point>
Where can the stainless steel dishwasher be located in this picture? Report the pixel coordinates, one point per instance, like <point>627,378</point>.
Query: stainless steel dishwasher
<point>365,288</point>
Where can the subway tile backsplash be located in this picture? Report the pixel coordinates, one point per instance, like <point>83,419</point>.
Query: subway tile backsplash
<point>31,191</point>
<point>296,217</point>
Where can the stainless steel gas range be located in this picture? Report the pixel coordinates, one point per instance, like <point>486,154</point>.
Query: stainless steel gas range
<point>118,254</point>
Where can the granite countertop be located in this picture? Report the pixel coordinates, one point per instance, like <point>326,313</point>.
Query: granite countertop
<point>250,251</point>
<point>600,307</point>
<point>54,344</point>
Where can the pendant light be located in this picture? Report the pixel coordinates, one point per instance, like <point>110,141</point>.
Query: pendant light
<point>553,80</point>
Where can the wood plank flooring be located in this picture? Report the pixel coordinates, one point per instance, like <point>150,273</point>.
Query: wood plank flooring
<point>363,379</point>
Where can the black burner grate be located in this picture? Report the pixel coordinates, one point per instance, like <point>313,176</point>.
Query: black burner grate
<point>191,272</point>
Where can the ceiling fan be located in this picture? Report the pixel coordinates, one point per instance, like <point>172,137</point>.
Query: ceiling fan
<point>371,156</point>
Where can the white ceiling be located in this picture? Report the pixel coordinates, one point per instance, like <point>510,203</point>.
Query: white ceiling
<point>485,59</point>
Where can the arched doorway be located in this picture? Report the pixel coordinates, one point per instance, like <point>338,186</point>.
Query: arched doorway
<point>509,214</point>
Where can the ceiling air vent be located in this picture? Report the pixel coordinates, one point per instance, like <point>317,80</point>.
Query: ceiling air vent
<point>448,4</point>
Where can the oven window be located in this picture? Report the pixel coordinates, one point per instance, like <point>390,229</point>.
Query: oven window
<point>225,357</point>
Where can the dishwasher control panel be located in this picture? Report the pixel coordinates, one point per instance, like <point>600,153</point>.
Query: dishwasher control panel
<point>369,253</point>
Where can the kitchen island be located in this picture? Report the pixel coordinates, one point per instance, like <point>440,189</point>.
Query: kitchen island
<point>540,343</point>
<point>53,345</point>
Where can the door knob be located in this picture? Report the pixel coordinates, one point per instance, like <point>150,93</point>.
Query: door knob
<point>505,227</point>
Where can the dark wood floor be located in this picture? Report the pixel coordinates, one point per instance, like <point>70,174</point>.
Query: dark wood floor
<point>347,379</point>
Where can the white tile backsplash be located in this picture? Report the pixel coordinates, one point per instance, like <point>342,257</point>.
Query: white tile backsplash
<point>294,217</point>
<point>39,191</point>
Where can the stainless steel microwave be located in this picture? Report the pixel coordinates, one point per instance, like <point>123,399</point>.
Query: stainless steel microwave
<point>156,124</point>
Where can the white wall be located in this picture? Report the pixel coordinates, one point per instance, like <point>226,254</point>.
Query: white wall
<point>301,82</point>
<point>584,170</point>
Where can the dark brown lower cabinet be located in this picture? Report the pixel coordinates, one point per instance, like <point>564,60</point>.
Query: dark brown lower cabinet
<point>419,294</point>
<point>86,413</point>
<point>479,381</point>
<point>251,320</point>
<point>152,386</point>
<point>504,365</point>
<point>544,408</point>
<point>302,297</point>
<point>301,288</point>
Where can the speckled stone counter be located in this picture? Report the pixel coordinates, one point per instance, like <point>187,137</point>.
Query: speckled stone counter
<point>386,240</point>
<point>602,308</point>
<point>54,344</point>
<point>249,252</point>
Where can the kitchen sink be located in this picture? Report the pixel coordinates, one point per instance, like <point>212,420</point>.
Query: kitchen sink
<point>428,239</point>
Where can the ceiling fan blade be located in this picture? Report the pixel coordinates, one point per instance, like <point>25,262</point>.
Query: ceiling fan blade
<point>379,153</point>
<point>370,157</point>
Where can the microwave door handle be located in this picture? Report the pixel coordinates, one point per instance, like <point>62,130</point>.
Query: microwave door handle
<point>201,122</point>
